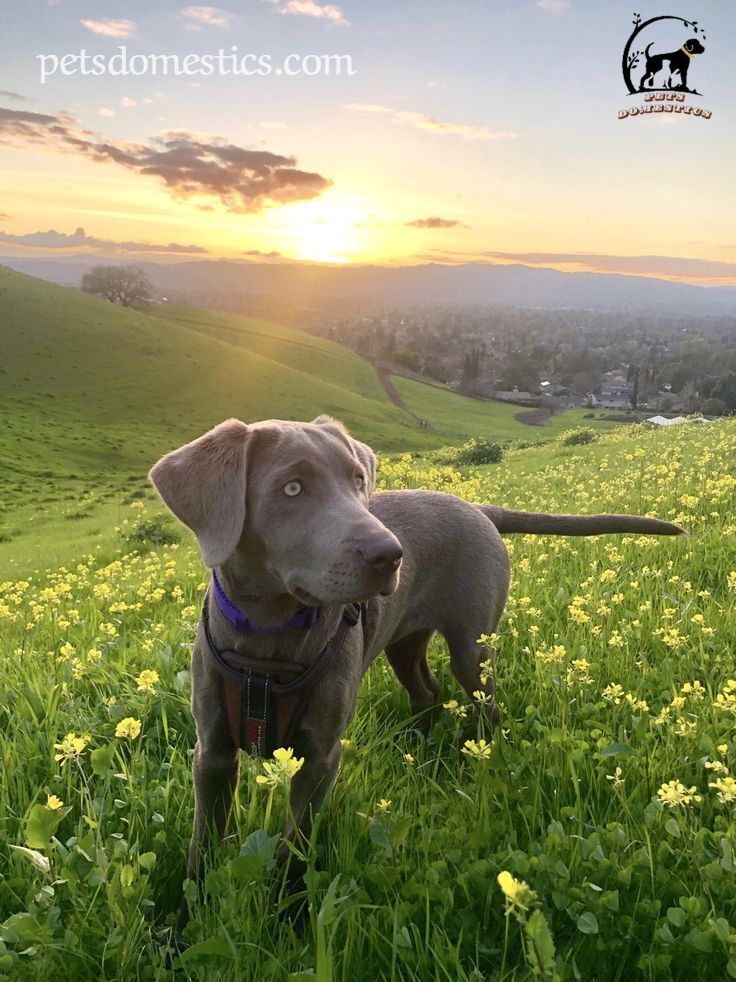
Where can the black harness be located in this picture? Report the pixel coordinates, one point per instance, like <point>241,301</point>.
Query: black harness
<point>266,699</point>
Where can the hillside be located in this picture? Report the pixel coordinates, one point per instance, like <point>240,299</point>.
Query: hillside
<point>607,788</point>
<point>92,394</point>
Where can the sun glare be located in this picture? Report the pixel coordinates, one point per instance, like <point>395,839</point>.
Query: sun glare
<point>324,235</point>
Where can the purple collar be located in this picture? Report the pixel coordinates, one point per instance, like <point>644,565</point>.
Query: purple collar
<point>305,617</point>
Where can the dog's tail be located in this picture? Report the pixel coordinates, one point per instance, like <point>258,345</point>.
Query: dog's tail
<point>646,50</point>
<point>537,523</point>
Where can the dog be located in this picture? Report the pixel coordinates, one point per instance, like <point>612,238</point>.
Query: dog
<point>285,517</point>
<point>679,61</point>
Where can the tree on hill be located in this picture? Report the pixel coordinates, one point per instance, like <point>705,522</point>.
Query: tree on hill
<point>126,285</point>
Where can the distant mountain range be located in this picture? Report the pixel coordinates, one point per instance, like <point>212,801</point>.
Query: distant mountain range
<point>514,284</point>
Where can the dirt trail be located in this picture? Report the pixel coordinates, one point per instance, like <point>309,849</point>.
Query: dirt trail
<point>392,392</point>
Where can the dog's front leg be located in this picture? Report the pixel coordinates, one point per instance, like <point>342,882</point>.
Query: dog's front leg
<point>215,770</point>
<point>215,782</point>
<point>309,788</point>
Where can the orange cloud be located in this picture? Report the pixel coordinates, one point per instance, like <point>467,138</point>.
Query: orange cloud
<point>110,28</point>
<point>422,121</point>
<point>308,8</point>
<point>211,16</point>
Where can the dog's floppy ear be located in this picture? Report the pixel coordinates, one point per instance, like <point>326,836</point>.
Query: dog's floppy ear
<point>368,459</point>
<point>361,450</point>
<point>203,483</point>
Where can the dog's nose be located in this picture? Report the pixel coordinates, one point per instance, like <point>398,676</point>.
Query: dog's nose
<point>383,554</point>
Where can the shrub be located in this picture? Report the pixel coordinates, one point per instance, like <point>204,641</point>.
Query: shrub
<point>474,452</point>
<point>149,530</point>
<point>578,436</point>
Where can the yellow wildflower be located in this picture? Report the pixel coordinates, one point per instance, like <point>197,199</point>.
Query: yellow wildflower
<point>70,748</point>
<point>486,669</point>
<point>616,778</point>
<point>53,803</point>
<point>146,680</point>
<point>717,766</point>
<point>128,727</point>
<point>613,693</point>
<point>674,793</point>
<point>281,769</point>
<point>517,892</point>
<point>454,707</point>
<point>480,750</point>
<point>726,789</point>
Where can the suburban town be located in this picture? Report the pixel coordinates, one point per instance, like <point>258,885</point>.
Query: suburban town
<point>550,359</point>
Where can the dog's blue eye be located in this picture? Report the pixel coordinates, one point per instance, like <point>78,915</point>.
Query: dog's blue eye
<point>293,488</point>
<point>360,482</point>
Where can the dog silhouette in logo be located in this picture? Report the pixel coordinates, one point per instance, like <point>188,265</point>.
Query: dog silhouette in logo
<point>679,61</point>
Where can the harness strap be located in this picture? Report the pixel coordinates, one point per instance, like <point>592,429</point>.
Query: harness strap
<point>266,699</point>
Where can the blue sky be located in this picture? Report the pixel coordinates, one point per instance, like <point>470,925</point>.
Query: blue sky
<point>498,119</point>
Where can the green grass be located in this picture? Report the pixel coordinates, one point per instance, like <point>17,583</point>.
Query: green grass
<point>598,655</point>
<point>453,416</point>
<point>92,394</point>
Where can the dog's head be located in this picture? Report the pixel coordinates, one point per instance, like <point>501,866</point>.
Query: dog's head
<point>694,47</point>
<point>290,499</point>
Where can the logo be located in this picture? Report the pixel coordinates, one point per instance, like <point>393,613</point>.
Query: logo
<point>660,63</point>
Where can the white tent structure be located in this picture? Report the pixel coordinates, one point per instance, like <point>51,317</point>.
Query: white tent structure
<point>663,421</point>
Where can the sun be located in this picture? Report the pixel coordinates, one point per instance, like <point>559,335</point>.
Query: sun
<point>324,234</point>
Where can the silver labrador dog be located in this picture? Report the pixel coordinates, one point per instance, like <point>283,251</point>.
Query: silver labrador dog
<point>285,517</point>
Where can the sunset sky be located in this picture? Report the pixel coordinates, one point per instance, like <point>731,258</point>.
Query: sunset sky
<point>474,130</point>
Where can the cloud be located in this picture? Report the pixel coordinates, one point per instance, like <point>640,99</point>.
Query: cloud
<point>4,217</point>
<point>262,255</point>
<point>422,121</point>
<point>435,222</point>
<point>553,6</point>
<point>273,125</point>
<point>79,240</point>
<point>128,103</point>
<point>367,107</point>
<point>212,16</point>
<point>15,96</point>
<point>190,166</point>
<point>104,111</point>
<point>308,8</point>
<point>110,28</point>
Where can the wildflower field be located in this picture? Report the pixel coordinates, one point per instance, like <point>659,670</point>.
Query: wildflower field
<point>593,838</point>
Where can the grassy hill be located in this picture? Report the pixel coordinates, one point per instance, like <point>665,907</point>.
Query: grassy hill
<point>607,789</point>
<point>91,394</point>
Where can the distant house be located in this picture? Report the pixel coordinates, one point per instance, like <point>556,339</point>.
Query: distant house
<point>614,402</point>
<point>515,396</point>
<point>615,393</point>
